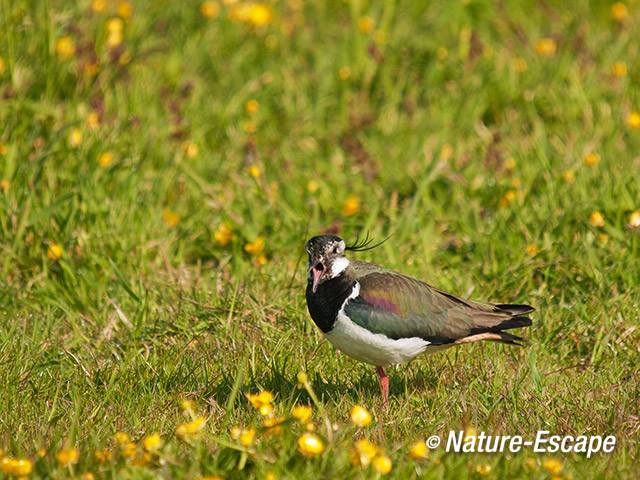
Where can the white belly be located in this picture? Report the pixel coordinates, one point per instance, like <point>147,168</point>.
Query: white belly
<point>373,348</point>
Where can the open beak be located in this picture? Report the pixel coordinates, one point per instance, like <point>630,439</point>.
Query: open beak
<point>317,270</point>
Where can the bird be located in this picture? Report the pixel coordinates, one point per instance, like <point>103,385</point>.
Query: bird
<point>382,317</point>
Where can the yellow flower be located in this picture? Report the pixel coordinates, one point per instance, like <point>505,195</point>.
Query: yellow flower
<point>619,11</point>
<point>382,464</point>
<point>254,171</point>
<point>546,47</point>
<point>418,449</point>
<point>190,149</point>
<point>634,219</point>
<point>264,398</point>
<point>98,6</point>
<point>171,218</point>
<point>520,65</point>
<point>151,442</point>
<point>114,25</point>
<point>619,69</point>
<point>516,182</point>
<point>344,72</point>
<point>603,237</point>
<point>262,259</point>
<point>54,252</point>
<point>1,65</point>
<point>190,429</point>
<point>446,152</point>
<point>510,163</point>
<point>552,465</point>
<point>5,184</point>
<point>114,39</point>
<point>273,425</point>
<point>141,459</point>
<point>223,234</point>
<point>266,409</point>
<point>247,436</point>
<point>363,452</point>
<point>103,455</point>
<point>16,466</point>
<point>569,176</point>
<point>508,197</point>
<point>470,431</point>
<point>366,24</point>
<point>105,159</point>
<point>124,9</point>
<point>122,438</point>
<point>302,413</point>
<point>633,119</point>
<point>210,9</point>
<point>75,137</point>
<point>483,469</point>
<point>3,149</point>
<point>129,450</point>
<point>88,476</point>
<point>312,186</point>
<point>92,121</point>
<point>592,159</point>
<point>310,427</point>
<point>532,249</point>
<point>360,417</point>
<point>65,48</point>
<point>68,456</point>
<point>302,379</point>
<point>270,476</point>
<point>252,106</point>
<point>596,219</point>
<point>260,14</point>
<point>531,462</point>
<point>310,444</point>
<point>351,206</point>
<point>255,247</point>
<point>41,453</point>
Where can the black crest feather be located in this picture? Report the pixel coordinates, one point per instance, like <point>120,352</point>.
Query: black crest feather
<point>360,245</point>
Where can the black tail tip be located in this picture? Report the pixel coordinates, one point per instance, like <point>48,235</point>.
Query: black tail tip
<point>511,339</point>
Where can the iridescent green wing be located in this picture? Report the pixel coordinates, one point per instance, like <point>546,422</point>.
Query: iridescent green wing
<point>399,307</point>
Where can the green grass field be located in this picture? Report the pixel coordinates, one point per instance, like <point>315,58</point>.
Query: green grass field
<point>161,172</point>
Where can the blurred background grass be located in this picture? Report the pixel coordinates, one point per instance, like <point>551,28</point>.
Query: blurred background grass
<point>163,163</point>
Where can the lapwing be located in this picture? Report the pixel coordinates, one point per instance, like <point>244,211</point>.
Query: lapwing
<point>383,318</point>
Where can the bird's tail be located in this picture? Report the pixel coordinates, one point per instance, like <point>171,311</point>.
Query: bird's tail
<point>515,318</point>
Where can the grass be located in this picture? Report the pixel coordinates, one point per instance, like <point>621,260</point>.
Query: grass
<point>125,281</point>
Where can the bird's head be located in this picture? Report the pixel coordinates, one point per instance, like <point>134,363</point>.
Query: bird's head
<point>326,259</point>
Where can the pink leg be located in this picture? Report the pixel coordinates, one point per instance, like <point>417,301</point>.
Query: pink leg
<point>384,385</point>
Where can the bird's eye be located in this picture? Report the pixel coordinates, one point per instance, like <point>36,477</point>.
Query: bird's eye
<point>335,249</point>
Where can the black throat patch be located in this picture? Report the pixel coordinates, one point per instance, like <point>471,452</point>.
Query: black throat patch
<point>326,302</point>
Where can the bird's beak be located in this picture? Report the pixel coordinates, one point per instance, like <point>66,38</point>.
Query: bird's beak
<point>317,270</point>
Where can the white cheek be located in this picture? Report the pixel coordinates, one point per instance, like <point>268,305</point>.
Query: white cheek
<point>339,266</point>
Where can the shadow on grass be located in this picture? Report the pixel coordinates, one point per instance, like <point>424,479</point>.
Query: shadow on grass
<point>352,386</point>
